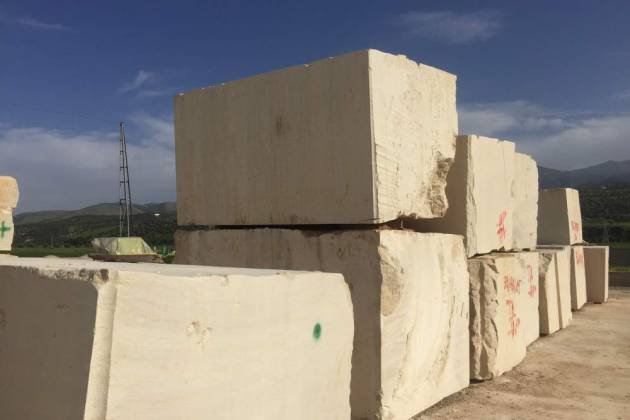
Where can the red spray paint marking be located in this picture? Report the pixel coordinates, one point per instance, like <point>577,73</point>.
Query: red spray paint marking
<point>579,258</point>
<point>531,291</point>
<point>501,225</point>
<point>575,227</point>
<point>513,321</point>
<point>511,285</point>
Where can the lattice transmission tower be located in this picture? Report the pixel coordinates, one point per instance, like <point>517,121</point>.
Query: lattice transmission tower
<point>124,190</point>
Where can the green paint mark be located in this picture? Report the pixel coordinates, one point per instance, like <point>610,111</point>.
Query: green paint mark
<point>317,331</point>
<point>3,229</point>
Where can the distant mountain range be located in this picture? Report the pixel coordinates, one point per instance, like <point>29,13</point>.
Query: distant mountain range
<point>611,174</point>
<point>103,209</point>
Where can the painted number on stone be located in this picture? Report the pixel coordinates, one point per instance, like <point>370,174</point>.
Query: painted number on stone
<point>501,226</point>
<point>513,320</point>
<point>579,258</point>
<point>575,228</point>
<point>4,229</point>
<point>511,285</point>
<point>531,291</point>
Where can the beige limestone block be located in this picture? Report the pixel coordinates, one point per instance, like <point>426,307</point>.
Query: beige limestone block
<point>596,259</point>
<point>525,196</point>
<point>559,217</point>
<point>366,137</point>
<point>9,192</point>
<point>549,307</point>
<point>578,278</point>
<point>563,256</point>
<point>410,298</point>
<point>82,339</point>
<point>479,192</point>
<point>6,228</point>
<point>497,339</point>
<point>530,299</point>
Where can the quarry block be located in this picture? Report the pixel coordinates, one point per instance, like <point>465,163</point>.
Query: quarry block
<point>9,192</point>
<point>549,307</point>
<point>562,256</point>
<point>527,276</point>
<point>559,217</point>
<point>596,262</point>
<point>479,192</point>
<point>410,298</point>
<point>83,339</point>
<point>525,196</point>
<point>578,278</point>
<point>362,138</point>
<point>497,315</point>
<point>9,196</point>
<point>6,229</point>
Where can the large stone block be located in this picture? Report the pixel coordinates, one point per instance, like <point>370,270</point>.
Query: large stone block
<point>410,297</point>
<point>9,192</point>
<point>549,307</point>
<point>525,193</point>
<point>81,339</point>
<point>559,217</point>
<point>497,339</point>
<point>362,138</point>
<point>479,193</point>
<point>527,276</point>
<point>578,278</point>
<point>9,196</point>
<point>596,260</point>
<point>6,229</point>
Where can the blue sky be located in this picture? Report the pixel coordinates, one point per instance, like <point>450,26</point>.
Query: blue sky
<point>552,76</point>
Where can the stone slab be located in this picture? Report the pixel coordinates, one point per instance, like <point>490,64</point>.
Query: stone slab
<point>362,138</point>
<point>596,266</point>
<point>497,339</point>
<point>578,278</point>
<point>82,339</point>
<point>479,192</point>
<point>559,217</point>
<point>410,298</point>
<point>563,257</point>
<point>9,192</point>
<point>525,195</point>
<point>549,304</point>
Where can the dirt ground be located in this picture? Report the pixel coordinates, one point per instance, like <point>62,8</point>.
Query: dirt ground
<point>581,372</point>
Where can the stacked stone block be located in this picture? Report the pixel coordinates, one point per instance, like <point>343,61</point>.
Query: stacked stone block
<point>596,261</point>
<point>555,288</point>
<point>83,339</point>
<point>9,197</point>
<point>301,168</point>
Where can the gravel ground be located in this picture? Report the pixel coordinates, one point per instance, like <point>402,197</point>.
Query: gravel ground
<point>581,372</point>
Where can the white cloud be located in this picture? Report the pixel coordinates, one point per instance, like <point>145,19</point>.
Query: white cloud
<point>61,170</point>
<point>142,78</point>
<point>451,27</point>
<point>32,23</point>
<point>556,139</point>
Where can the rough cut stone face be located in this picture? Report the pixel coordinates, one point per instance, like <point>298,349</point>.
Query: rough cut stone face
<point>528,277</point>
<point>410,297</point>
<point>497,339</point>
<point>578,278</point>
<point>596,270</point>
<point>549,308</point>
<point>563,256</point>
<point>479,191</point>
<point>525,195</point>
<point>362,138</point>
<point>80,339</point>
<point>559,217</point>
